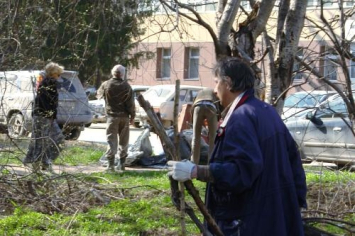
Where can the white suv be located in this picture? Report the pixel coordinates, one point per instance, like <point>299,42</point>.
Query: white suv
<point>17,93</point>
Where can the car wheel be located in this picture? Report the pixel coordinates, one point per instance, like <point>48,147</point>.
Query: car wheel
<point>72,134</point>
<point>88,125</point>
<point>137,124</point>
<point>16,127</point>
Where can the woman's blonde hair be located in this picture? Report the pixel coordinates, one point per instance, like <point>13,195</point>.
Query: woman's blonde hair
<point>53,68</point>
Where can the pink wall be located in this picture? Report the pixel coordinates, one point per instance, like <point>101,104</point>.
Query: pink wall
<point>146,74</point>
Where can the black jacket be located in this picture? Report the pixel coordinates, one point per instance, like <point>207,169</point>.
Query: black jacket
<point>46,101</point>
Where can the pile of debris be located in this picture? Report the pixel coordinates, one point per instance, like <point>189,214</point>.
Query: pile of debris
<point>141,152</point>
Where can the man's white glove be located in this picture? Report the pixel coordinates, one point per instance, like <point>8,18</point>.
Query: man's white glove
<point>181,170</point>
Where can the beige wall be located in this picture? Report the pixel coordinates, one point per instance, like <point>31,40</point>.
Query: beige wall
<point>190,34</point>
<point>177,30</point>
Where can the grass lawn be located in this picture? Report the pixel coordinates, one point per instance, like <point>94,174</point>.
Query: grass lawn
<point>129,203</point>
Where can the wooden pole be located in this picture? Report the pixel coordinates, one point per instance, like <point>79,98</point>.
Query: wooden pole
<point>178,158</point>
<point>170,151</point>
<point>175,122</point>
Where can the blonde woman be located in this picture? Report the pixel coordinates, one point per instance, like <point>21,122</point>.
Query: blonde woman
<point>41,151</point>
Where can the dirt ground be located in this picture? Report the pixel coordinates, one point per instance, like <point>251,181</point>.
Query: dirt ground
<point>7,145</point>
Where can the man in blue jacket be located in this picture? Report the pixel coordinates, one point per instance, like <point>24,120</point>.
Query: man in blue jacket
<point>256,184</point>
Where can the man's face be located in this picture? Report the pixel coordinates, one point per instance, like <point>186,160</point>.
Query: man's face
<point>221,90</point>
<point>117,74</point>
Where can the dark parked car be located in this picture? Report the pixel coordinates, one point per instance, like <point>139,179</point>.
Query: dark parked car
<point>325,133</point>
<point>17,94</point>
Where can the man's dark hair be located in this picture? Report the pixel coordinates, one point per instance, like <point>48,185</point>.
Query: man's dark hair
<point>240,73</point>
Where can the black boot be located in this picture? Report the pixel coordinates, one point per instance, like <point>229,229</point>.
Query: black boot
<point>111,164</point>
<point>122,163</point>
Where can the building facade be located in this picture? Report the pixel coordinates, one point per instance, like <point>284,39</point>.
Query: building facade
<point>184,50</point>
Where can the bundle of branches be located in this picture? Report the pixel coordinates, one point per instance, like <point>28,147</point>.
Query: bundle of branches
<point>54,193</point>
<point>334,200</point>
<point>330,206</point>
<point>311,226</point>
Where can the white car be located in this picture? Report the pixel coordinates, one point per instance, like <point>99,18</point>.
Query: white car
<point>325,133</point>
<point>98,111</point>
<point>161,98</point>
<point>98,106</point>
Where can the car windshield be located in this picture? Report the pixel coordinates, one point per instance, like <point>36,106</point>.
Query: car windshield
<point>303,100</point>
<point>156,93</point>
<point>66,84</point>
<point>336,105</point>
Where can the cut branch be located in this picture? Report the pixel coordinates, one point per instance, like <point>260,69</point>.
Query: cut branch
<point>170,151</point>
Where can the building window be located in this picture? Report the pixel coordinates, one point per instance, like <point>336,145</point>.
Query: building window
<point>192,57</point>
<point>328,61</point>
<point>163,63</point>
<point>329,3</point>
<point>352,69</point>
<point>211,5</point>
<point>349,3</point>
<point>246,5</point>
<point>159,8</point>
<point>145,6</point>
<point>202,5</point>
<point>352,62</point>
<point>296,65</point>
<point>330,67</point>
<point>312,3</point>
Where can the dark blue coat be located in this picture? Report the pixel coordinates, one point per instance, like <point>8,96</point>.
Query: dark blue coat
<point>258,174</point>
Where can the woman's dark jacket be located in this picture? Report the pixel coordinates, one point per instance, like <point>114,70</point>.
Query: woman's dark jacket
<point>258,174</point>
<point>46,101</point>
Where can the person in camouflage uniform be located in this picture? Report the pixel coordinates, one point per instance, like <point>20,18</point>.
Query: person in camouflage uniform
<point>46,134</point>
<point>120,111</point>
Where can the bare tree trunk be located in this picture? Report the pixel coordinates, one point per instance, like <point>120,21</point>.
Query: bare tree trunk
<point>98,78</point>
<point>286,48</point>
<point>288,45</point>
<point>269,71</point>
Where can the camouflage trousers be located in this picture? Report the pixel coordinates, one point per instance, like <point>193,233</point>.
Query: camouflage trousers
<point>117,134</point>
<point>45,139</point>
